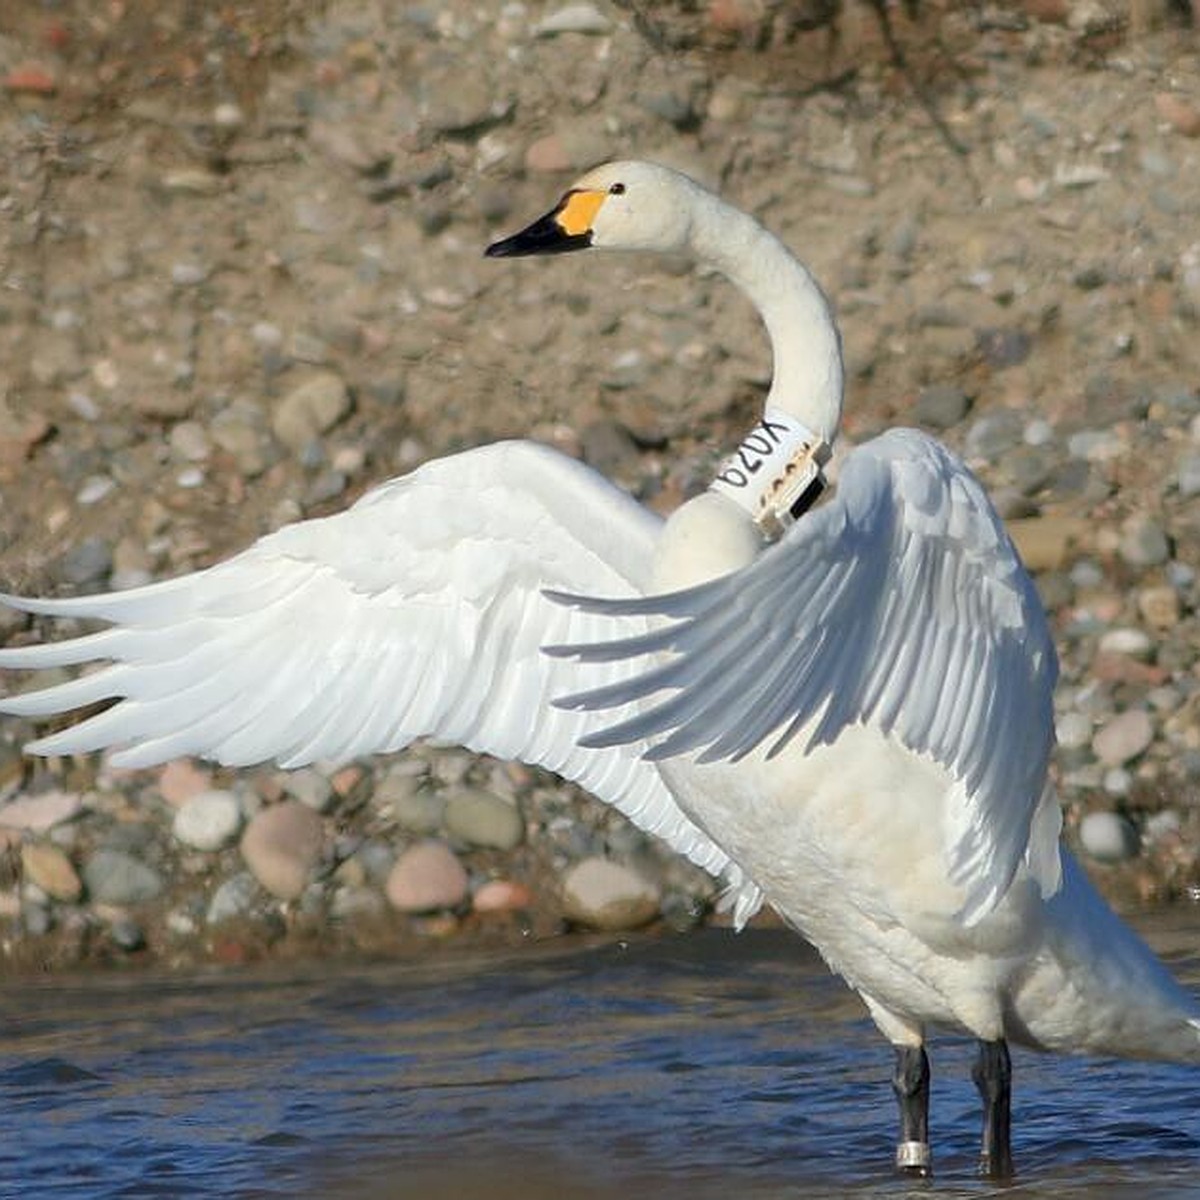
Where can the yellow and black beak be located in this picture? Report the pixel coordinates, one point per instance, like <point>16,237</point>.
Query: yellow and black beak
<point>567,227</point>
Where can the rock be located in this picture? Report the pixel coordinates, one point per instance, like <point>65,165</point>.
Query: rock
<point>311,788</point>
<point>1144,543</point>
<point>1045,543</point>
<point>609,447</point>
<point>41,812</point>
<point>310,409</point>
<point>47,866</point>
<point>941,405</point>
<point>502,895</point>
<point>127,934</point>
<point>1181,114</point>
<point>1108,837</point>
<point>180,780</point>
<point>1187,476</point>
<point>87,563</point>
<point>209,820</point>
<point>547,155</point>
<point>482,819</point>
<point>1135,643</point>
<point>115,877</point>
<point>281,846</point>
<point>1073,730</point>
<point>31,79</point>
<point>1159,606</point>
<point>425,878</point>
<point>234,898</point>
<point>1123,738</point>
<point>606,895</point>
<point>994,435</point>
<point>573,18</point>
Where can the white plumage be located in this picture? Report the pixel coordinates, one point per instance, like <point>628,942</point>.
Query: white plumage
<point>853,724</point>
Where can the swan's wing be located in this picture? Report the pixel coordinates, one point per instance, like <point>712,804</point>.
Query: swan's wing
<point>418,612</point>
<point>901,604</point>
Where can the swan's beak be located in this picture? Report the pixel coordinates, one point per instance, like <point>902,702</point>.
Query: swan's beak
<point>567,227</point>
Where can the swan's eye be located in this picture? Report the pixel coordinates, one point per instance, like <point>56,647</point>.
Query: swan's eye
<point>617,189</point>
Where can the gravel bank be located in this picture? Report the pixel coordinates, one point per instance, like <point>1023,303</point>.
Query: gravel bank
<point>242,283</point>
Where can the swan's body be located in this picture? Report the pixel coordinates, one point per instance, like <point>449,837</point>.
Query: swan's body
<point>857,720</point>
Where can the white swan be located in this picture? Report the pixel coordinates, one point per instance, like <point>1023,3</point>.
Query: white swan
<point>857,721</point>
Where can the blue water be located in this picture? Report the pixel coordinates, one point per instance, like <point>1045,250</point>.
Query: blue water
<point>696,1067</point>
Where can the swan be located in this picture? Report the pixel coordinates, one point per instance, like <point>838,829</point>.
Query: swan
<point>842,709</point>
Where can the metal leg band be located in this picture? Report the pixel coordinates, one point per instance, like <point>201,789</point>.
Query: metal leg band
<point>913,1156</point>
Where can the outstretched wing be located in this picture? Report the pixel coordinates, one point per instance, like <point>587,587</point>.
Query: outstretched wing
<point>901,604</point>
<point>417,612</point>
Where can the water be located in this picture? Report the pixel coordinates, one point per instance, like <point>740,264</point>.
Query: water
<point>699,1067</point>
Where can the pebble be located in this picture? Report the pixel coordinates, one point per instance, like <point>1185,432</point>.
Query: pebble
<point>1124,737</point>
<point>1159,606</point>
<point>1108,837</point>
<point>209,820</point>
<point>425,878</point>
<point>502,895</point>
<point>310,409</point>
<point>311,788</point>
<point>1073,730</point>
<point>573,18</point>
<point>234,898</point>
<point>87,563</point>
<point>602,894</point>
<point>182,779</point>
<point>281,846</point>
<point>1187,476</point>
<point>116,877</point>
<point>1135,643</point>
<point>479,818</point>
<point>941,406</point>
<point>40,812</point>
<point>1144,543</point>
<point>47,866</point>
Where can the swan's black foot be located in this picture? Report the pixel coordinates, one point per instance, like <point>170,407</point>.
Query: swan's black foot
<point>993,1078</point>
<point>911,1085</point>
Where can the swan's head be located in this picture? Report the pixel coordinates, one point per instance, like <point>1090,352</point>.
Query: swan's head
<point>619,206</point>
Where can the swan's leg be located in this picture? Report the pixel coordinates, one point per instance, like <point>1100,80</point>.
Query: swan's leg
<point>993,1077</point>
<point>911,1085</point>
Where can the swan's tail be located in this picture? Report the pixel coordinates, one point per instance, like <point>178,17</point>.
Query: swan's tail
<point>1097,988</point>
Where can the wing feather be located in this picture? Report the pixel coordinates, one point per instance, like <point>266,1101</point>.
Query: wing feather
<point>901,604</point>
<point>417,612</point>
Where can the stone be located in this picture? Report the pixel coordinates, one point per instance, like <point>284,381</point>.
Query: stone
<point>1187,476</point>
<point>87,563</point>
<point>209,820</point>
<point>1073,730</point>
<point>941,405</point>
<point>47,866</point>
<point>311,788</point>
<point>502,895</point>
<point>1159,606</point>
<point>1135,643</point>
<point>234,898</point>
<point>180,780</point>
<point>479,818</point>
<point>1179,113</point>
<point>602,894</point>
<point>281,845</point>
<point>37,814</point>
<point>1123,738</point>
<point>573,18</point>
<point>1108,837</point>
<point>425,878</point>
<point>1144,542</point>
<point>310,409</point>
<point>1046,543</point>
<point>116,877</point>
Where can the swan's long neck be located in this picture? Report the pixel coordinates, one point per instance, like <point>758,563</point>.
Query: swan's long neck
<point>808,377</point>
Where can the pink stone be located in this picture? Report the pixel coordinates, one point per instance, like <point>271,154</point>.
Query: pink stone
<point>281,846</point>
<point>502,895</point>
<point>41,812</point>
<point>426,877</point>
<point>179,781</point>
